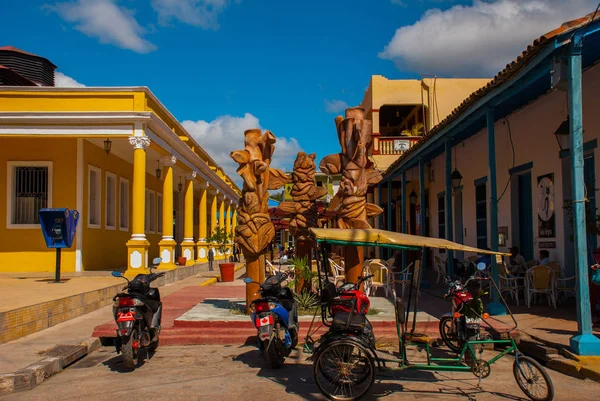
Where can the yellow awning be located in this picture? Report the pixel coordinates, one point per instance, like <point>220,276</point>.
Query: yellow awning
<point>374,237</point>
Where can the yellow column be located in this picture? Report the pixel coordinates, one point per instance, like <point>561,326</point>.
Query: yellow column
<point>213,219</point>
<point>167,244</point>
<point>187,246</point>
<point>201,245</point>
<point>137,246</point>
<point>228,224</point>
<point>222,221</point>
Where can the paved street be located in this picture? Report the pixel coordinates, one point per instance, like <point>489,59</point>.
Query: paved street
<point>216,372</point>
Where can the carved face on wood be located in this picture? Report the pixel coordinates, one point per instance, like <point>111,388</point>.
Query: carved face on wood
<point>354,134</point>
<point>255,230</point>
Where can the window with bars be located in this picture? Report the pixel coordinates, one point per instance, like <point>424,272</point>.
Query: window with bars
<point>31,187</point>
<point>159,207</point>
<point>94,195</point>
<point>111,200</point>
<point>124,204</point>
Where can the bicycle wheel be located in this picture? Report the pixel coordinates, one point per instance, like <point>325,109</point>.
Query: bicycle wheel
<point>533,379</point>
<point>448,335</point>
<point>344,371</point>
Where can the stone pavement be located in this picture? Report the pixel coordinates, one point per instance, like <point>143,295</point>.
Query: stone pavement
<point>234,373</point>
<point>27,351</point>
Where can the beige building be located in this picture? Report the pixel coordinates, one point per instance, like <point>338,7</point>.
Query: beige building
<point>400,106</point>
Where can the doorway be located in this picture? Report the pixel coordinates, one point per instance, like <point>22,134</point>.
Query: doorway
<point>458,222</point>
<point>525,215</point>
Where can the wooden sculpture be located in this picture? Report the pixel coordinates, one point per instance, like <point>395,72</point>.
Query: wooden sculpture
<point>254,230</point>
<point>350,202</point>
<point>303,211</point>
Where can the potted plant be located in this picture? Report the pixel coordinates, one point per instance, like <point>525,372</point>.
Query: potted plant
<point>222,239</point>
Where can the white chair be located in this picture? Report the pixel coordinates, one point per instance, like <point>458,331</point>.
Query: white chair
<point>403,278</point>
<point>382,278</point>
<point>560,282</point>
<point>337,271</point>
<point>271,270</point>
<point>439,268</point>
<point>508,282</point>
<point>540,280</point>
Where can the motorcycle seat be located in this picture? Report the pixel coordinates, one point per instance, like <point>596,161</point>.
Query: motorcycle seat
<point>418,338</point>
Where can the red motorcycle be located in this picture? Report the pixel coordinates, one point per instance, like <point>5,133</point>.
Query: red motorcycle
<point>464,322</point>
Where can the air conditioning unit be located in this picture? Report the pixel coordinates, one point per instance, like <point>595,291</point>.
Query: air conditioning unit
<point>560,74</point>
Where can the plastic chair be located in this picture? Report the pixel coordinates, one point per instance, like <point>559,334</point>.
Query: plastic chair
<point>382,278</point>
<point>401,278</point>
<point>271,270</point>
<point>337,271</point>
<point>508,282</point>
<point>390,262</point>
<point>439,268</point>
<point>540,280</point>
<point>560,282</point>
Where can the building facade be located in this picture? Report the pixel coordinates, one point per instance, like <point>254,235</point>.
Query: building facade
<point>143,186</point>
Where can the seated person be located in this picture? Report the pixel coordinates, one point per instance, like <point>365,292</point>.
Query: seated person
<point>544,256</point>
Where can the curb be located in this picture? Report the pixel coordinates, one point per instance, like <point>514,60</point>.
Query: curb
<point>560,359</point>
<point>214,279</point>
<point>34,374</point>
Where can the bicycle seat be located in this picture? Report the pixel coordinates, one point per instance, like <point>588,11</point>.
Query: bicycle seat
<point>418,338</point>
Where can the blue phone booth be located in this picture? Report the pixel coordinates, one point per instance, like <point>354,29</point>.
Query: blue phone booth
<point>58,227</point>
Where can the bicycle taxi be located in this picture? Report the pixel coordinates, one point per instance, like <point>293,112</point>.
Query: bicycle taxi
<point>345,358</point>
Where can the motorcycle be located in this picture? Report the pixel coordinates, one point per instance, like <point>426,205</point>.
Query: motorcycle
<point>275,317</point>
<point>464,322</point>
<point>349,309</point>
<point>137,312</point>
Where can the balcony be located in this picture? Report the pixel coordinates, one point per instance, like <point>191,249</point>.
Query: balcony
<point>393,145</point>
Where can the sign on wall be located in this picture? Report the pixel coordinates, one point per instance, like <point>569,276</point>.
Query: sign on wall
<point>401,145</point>
<point>546,215</point>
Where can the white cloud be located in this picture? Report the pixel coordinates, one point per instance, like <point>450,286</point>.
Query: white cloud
<point>226,133</point>
<point>479,39</point>
<point>105,20</point>
<point>64,81</point>
<point>202,13</point>
<point>335,106</point>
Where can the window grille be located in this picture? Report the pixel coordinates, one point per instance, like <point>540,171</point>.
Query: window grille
<point>31,194</point>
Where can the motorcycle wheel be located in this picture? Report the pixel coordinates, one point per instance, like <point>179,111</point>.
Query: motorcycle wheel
<point>273,353</point>
<point>450,338</point>
<point>129,354</point>
<point>153,346</point>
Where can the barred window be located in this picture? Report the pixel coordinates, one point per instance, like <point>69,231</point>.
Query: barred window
<point>124,204</point>
<point>111,200</point>
<point>94,195</point>
<point>31,193</point>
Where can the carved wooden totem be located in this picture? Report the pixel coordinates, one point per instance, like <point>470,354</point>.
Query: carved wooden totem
<point>350,202</point>
<point>303,211</point>
<point>254,230</point>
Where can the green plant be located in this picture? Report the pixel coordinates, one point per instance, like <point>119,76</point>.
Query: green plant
<point>221,238</point>
<point>306,301</point>
<point>415,130</point>
<point>303,274</point>
<point>592,220</point>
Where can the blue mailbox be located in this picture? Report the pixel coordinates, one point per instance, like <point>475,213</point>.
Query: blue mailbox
<point>58,226</point>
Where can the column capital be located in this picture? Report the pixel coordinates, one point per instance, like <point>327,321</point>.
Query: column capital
<point>167,160</point>
<point>139,142</point>
<point>204,185</point>
<point>190,175</point>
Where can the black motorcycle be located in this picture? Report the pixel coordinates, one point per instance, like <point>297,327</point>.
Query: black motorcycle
<point>275,317</point>
<point>138,314</point>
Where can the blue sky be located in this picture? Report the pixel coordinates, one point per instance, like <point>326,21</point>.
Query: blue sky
<point>222,66</point>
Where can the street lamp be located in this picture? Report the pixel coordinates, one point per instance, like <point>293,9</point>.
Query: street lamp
<point>413,197</point>
<point>107,146</point>
<point>158,169</point>
<point>563,135</point>
<point>456,178</point>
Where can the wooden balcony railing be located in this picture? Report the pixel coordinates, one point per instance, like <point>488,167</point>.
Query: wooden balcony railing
<point>393,145</point>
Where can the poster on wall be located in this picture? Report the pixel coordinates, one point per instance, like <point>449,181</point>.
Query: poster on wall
<point>546,215</point>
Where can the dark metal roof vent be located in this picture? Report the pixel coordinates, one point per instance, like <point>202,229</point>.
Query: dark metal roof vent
<point>36,69</point>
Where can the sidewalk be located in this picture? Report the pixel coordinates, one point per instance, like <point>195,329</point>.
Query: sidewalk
<point>25,362</point>
<point>30,302</point>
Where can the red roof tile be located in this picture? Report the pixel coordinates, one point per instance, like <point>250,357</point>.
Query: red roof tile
<point>508,72</point>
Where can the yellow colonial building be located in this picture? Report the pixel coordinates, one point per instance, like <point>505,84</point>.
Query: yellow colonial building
<point>144,187</point>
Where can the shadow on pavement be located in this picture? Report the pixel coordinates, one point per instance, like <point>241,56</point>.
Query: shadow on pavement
<point>115,364</point>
